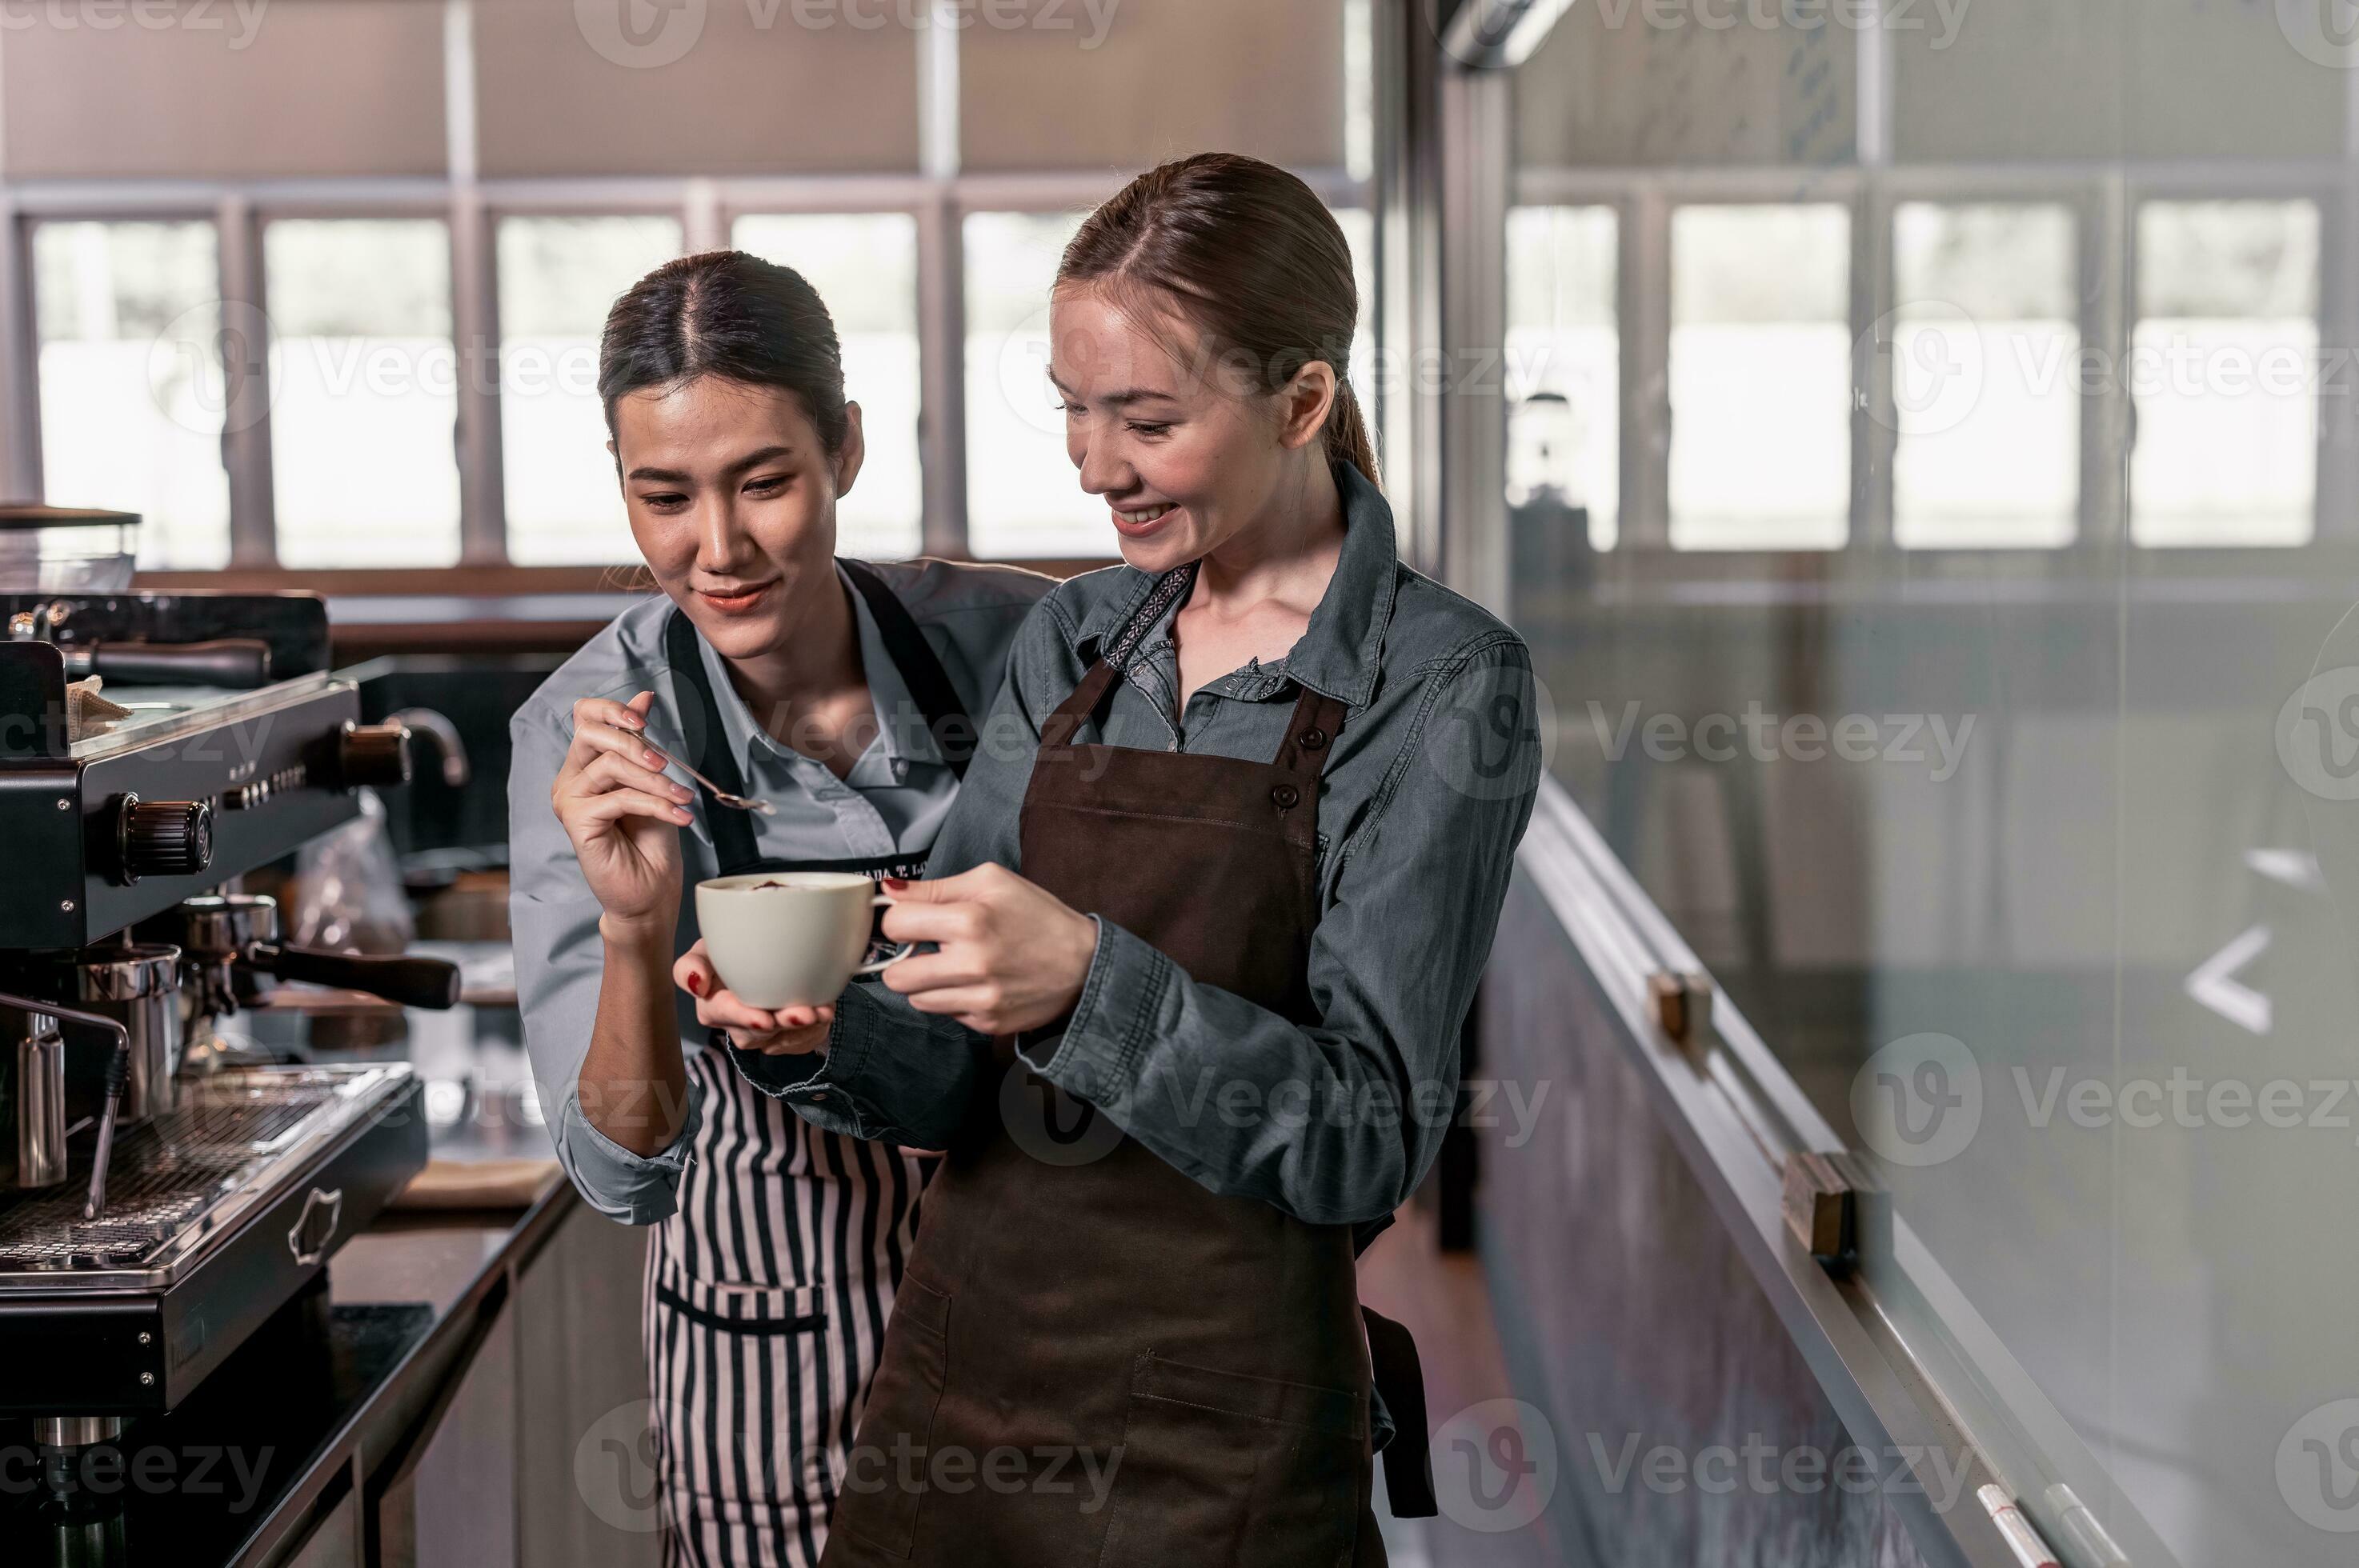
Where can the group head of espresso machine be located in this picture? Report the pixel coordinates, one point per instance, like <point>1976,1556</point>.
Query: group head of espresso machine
<point>160,1194</point>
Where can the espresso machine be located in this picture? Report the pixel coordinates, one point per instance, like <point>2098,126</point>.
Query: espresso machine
<point>158,1205</point>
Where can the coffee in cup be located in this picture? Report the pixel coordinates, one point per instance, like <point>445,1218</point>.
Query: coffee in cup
<point>790,939</point>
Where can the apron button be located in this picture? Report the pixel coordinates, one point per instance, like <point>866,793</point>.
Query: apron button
<point>1285,798</point>
<point>1313,739</point>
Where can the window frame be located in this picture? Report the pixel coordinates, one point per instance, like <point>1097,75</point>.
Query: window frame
<point>707,210</point>
<point>2103,200</point>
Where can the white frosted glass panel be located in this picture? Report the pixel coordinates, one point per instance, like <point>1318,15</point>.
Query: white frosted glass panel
<point>1564,364</point>
<point>1761,378</point>
<point>559,276</point>
<point>865,266</point>
<point>131,381</point>
<point>2224,375</point>
<point>363,381</point>
<point>1985,378</point>
<point>1024,496</point>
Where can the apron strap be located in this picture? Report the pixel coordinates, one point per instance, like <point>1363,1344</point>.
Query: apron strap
<point>1310,733</point>
<point>692,690</point>
<point>1087,701</point>
<point>1082,702</point>
<point>1399,1377</point>
<point>929,685</point>
<point>946,716</point>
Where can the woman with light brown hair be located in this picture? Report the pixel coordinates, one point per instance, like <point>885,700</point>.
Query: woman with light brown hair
<point>1209,916</point>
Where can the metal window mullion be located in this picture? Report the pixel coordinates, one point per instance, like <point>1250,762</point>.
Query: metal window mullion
<point>1474,545</point>
<point>1643,305</point>
<point>705,218</point>
<point>475,323</point>
<point>2338,303</point>
<point>1874,121</point>
<point>474,306</point>
<point>20,441</point>
<point>2108,290</point>
<point>244,342</point>
<point>1875,419</point>
<point>941,373</point>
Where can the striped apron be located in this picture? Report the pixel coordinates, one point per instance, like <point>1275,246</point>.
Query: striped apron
<point>767,1292</point>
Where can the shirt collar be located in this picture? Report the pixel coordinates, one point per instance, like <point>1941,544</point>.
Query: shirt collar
<point>904,738</point>
<point>1339,653</point>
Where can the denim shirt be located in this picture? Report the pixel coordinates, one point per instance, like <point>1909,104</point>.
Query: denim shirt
<point>895,801</point>
<point>1428,788</point>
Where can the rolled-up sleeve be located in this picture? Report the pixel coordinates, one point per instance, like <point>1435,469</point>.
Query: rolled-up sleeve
<point>559,960</point>
<point>1336,1122</point>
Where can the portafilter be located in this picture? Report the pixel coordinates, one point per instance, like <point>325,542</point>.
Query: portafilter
<point>229,935</point>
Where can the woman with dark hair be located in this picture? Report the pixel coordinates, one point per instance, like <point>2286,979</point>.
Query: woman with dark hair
<point>838,691</point>
<point>1205,942</point>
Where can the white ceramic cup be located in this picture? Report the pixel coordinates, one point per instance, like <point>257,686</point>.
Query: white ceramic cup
<point>790,939</point>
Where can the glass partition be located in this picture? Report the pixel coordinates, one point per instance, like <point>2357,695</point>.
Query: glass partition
<point>1976,689</point>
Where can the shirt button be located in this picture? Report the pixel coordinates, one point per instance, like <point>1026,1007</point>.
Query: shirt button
<point>1285,798</point>
<point>1313,739</point>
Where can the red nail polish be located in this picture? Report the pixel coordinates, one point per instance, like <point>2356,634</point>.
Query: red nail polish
<point>696,985</point>
<point>896,883</point>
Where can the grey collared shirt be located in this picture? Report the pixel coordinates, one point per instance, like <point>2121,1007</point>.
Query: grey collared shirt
<point>1428,788</point>
<point>895,801</point>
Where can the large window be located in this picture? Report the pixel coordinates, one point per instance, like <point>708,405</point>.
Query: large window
<point>363,380</point>
<point>559,276</point>
<point>1984,349</point>
<point>1023,496</point>
<point>432,212</point>
<point>2224,374</point>
<point>1564,365</point>
<point>1760,377</point>
<point>132,387</point>
<point>865,268</point>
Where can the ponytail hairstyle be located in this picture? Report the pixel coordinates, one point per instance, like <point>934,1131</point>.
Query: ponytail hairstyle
<point>1252,259</point>
<point>732,315</point>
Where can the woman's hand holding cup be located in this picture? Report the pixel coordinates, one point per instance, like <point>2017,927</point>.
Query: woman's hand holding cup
<point>783,1031</point>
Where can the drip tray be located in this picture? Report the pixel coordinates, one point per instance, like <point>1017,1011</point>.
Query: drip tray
<point>217,1213</point>
<point>179,1178</point>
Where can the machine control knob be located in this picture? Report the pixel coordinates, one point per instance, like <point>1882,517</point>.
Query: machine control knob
<point>372,755</point>
<point>163,837</point>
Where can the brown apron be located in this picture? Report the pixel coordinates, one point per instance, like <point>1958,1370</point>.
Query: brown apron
<point>1198,1361</point>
